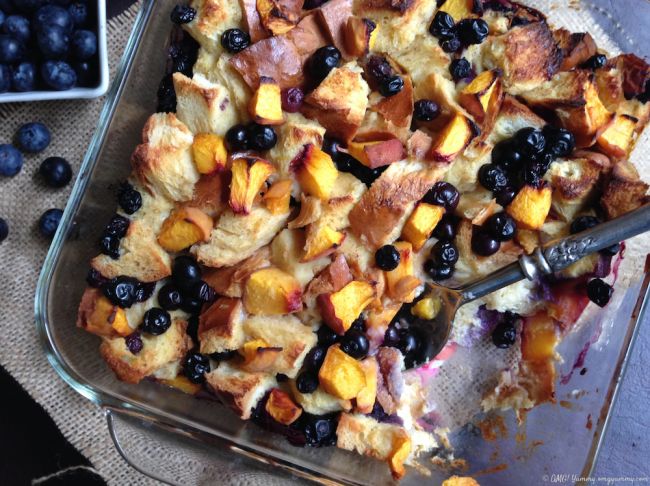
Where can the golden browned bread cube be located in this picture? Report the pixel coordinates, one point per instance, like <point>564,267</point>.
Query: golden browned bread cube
<point>624,191</point>
<point>213,17</point>
<point>221,326</point>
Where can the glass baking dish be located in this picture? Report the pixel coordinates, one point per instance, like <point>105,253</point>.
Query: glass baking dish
<point>201,441</point>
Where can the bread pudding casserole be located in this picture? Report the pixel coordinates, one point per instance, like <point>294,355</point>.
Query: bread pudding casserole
<point>313,164</point>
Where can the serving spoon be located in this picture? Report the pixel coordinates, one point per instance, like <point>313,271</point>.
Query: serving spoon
<point>545,260</point>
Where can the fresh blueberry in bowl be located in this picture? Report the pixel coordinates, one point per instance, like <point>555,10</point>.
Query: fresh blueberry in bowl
<point>11,160</point>
<point>58,75</point>
<point>56,171</point>
<point>53,15</point>
<point>53,42</point>
<point>23,77</point>
<point>29,6</point>
<point>4,230</point>
<point>84,44</point>
<point>49,222</point>
<point>79,13</point>
<point>17,26</point>
<point>5,78</point>
<point>3,17</point>
<point>11,49</point>
<point>33,137</point>
<point>87,73</point>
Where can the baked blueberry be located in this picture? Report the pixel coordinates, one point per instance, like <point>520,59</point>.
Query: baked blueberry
<point>387,258</point>
<point>451,45</point>
<point>84,44</point>
<point>201,291</point>
<point>530,175</point>
<point>56,171</point>
<point>23,77</point>
<point>331,147</point>
<point>391,336</point>
<point>444,253</point>
<point>237,138</point>
<point>530,142</point>
<point>144,291</point>
<point>33,137</point>
<point>191,306</point>
<point>407,342</point>
<point>443,26</point>
<point>443,194</point>
<point>318,430</point>
<point>193,328</point>
<point>224,355</point>
<point>117,226</point>
<point>6,77</point>
<point>599,292</point>
<point>4,230</point>
<point>505,196</point>
<point>110,246</point>
<point>17,26</point>
<point>314,359</point>
<point>595,62</point>
<point>129,199</point>
<point>185,270</point>
<point>504,335</point>
<point>182,14</point>
<point>483,244</point>
<point>492,177</point>
<point>506,156</point>
<point>378,69</point>
<point>121,291</point>
<point>445,230</point>
<point>436,271</point>
<point>11,49</point>
<point>235,40</point>
<point>169,297</point>
<point>326,337</point>
<point>292,99</point>
<point>460,69</point>
<point>195,366</point>
<point>95,279</point>
<point>156,321</point>
<point>134,342</point>
<point>307,382</point>
<point>359,324</point>
<point>472,31</point>
<point>261,137</point>
<point>11,160</point>
<point>560,142</point>
<point>53,15</point>
<point>79,13</point>
<point>426,110</point>
<point>391,86</point>
<point>53,42</point>
<point>501,226</point>
<point>355,344</point>
<point>583,223</point>
<point>322,61</point>
<point>58,75</point>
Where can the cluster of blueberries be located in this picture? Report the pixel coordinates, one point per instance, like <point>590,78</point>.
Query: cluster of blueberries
<point>47,45</point>
<point>33,138</point>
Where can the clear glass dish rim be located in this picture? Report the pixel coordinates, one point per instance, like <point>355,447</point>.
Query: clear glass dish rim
<point>174,423</point>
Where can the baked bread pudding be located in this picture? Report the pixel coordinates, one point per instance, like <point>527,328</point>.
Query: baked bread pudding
<point>311,166</point>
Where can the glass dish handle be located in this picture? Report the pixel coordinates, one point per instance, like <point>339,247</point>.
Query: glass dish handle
<point>176,457</point>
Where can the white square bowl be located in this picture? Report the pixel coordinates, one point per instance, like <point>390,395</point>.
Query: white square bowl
<point>74,93</point>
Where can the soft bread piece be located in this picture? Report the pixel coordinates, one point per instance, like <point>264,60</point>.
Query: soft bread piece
<point>203,106</point>
<point>221,326</point>
<point>239,389</point>
<point>163,162</point>
<point>379,216</point>
<point>624,191</point>
<point>287,250</point>
<point>213,17</point>
<point>157,352</point>
<point>528,55</point>
<point>237,237</point>
<point>513,117</point>
<point>347,192</point>
<point>564,90</point>
<point>574,185</point>
<point>286,332</point>
<point>296,132</point>
<point>339,102</point>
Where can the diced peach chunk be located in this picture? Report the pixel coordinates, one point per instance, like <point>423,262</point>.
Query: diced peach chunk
<point>282,408</point>
<point>401,282</point>
<point>183,384</point>
<point>209,153</point>
<point>322,241</point>
<point>478,96</point>
<point>539,338</point>
<point>453,139</point>
<point>315,171</point>
<point>271,291</point>
<point>248,177</point>
<point>360,36</point>
<point>341,375</point>
<point>531,206</point>
<point>366,397</point>
<point>106,317</point>
<point>278,16</point>
<point>278,197</point>
<point>266,104</point>
<point>377,154</point>
<point>616,140</point>
<point>401,449</point>
<point>340,309</point>
<point>427,308</point>
<point>258,356</point>
<point>421,223</point>
<point>183,228</point>
<point>458,9</point>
